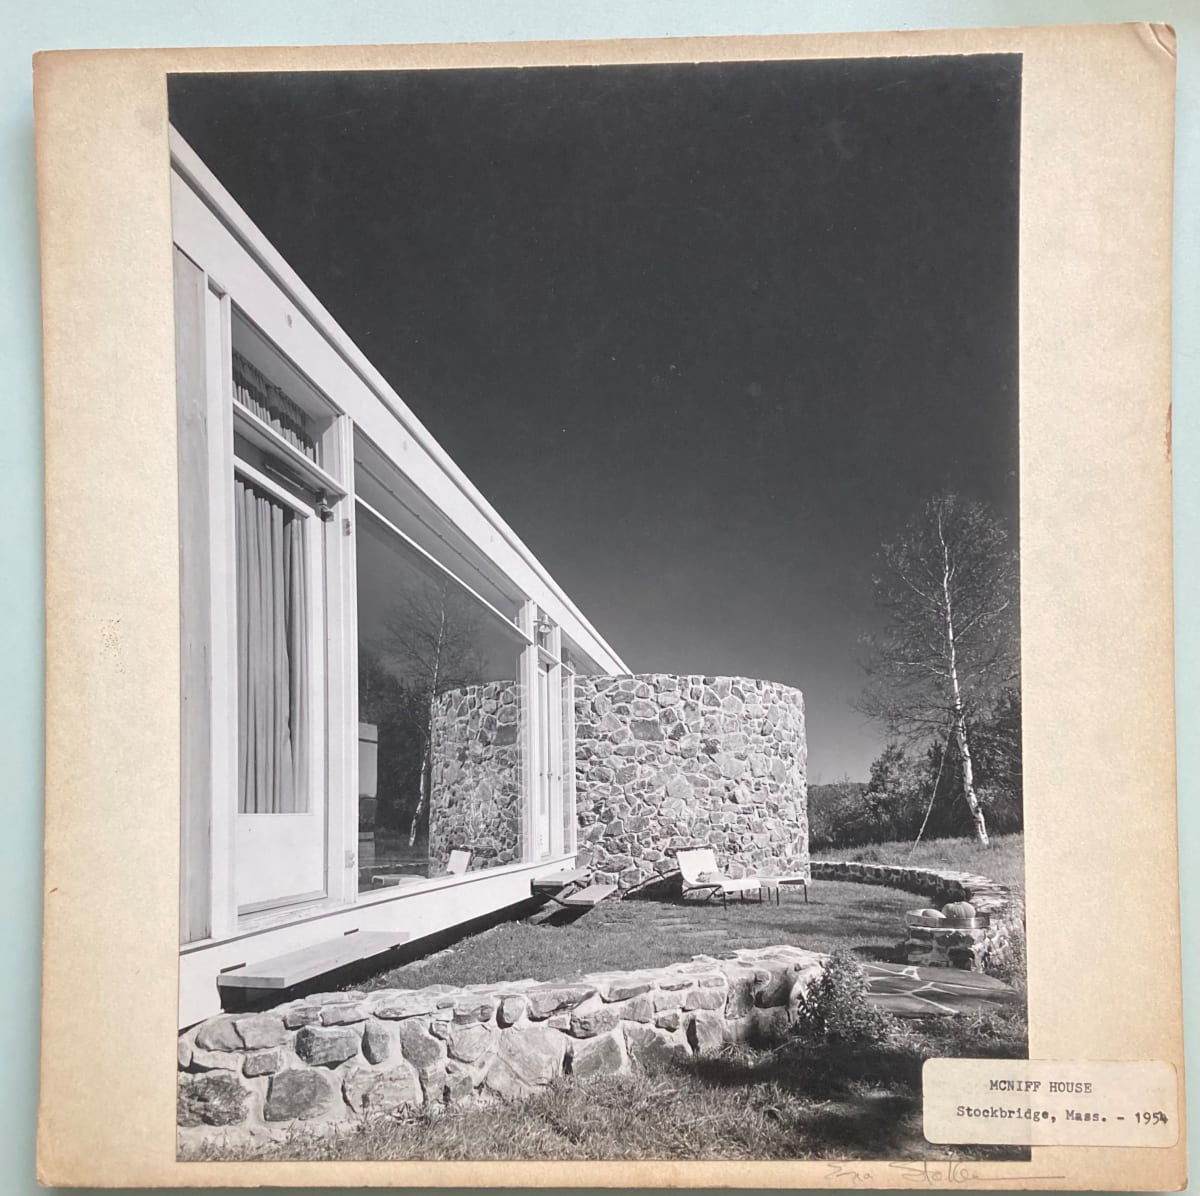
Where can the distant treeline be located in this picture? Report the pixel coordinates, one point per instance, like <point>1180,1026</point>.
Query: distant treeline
<point>905,784</point>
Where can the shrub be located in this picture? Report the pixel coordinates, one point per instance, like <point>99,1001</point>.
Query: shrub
<point>836,1008</point>
<point>833,814</point>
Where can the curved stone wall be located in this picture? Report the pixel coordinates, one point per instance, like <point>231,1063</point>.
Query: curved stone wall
<point>991,950</point>
<point>326,1061</point>
<point>475,789</point>
<point>666,761</point>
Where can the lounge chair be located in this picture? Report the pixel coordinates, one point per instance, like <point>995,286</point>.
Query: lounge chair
<point>457,865</point>
<point>698,868</point>
<point>773,885</point>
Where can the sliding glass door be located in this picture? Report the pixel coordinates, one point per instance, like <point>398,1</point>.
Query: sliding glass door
<point>280,695</point>
<point>548,790</point>
<point>288,661</point>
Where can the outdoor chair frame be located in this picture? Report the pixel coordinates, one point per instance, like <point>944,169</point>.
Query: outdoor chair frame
<point>699,873</point>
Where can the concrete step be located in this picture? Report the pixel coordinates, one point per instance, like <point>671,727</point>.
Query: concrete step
<point>590,896</point>
<point>285,971</point>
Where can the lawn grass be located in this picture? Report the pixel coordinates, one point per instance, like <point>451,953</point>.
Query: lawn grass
<point>1003,861</point>
<point>793,1101</point>
<point>784,1100</point>
<point>636,933</point>
<point>632,934</point>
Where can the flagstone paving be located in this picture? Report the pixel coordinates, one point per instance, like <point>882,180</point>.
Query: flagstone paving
<point>908,991</point>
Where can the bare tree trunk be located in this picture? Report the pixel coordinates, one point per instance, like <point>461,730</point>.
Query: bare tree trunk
<point>960,722</point>
<point>423,795</point>
<point>423,792</point>
<point>427,755</point>
<point>964,751</point>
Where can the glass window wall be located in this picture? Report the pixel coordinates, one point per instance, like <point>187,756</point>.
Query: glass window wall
<point>440,718</point>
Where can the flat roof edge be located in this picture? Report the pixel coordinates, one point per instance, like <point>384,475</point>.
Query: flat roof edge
<point>192,169</point>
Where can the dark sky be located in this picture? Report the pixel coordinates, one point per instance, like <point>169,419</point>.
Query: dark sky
<point>704,335</point>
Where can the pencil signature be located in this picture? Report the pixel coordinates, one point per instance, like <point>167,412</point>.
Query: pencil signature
<point>936,1173</point>
<point>950,1173</point>
<point>854,1175</point>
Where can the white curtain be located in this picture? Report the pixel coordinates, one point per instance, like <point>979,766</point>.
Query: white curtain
<point>272,651</point>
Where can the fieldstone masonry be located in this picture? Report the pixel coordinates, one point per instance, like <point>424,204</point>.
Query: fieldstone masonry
<point>475,789</point>
<point>983,950</point>
<point>327,1060</point>
<point>661,762</point>
<point>665,762</point>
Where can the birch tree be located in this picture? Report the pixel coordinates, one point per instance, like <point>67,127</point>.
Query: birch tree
<point>433,641</point>
<point>948,592</point>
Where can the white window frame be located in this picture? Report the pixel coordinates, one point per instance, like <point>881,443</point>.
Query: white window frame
<point>315,550</point>
<point>544,835</point>
<point>335,754</point>
<point>570,797</point>
<point>334,748</point>
<point>318,686</point>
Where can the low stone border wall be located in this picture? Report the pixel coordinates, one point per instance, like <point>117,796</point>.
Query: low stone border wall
<point>987,950</point>
<point>328,1060</point>
<point>963,947</point>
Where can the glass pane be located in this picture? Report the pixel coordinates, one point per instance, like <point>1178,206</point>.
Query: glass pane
<point>274,665</point>
<point>379,484</point>
<point>260,396</point>
<point>440,713</point>
<point>270,387</point>
<point>545,769</point>
<point>568,760</point>
<point>579,660</point>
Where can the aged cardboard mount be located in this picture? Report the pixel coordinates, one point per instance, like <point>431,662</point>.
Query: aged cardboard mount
<point>126,967</point>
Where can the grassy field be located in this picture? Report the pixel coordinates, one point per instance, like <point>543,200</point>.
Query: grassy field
<point>1003,861</point>
<point>631,934</point>
<point>797,1101</point>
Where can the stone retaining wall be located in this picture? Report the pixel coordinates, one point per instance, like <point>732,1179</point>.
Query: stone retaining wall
<point>327,1060</point>
<point>665,762</point>
<point>989,950</point>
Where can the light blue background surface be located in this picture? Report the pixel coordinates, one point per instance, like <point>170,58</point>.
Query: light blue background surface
<point>29,26</point>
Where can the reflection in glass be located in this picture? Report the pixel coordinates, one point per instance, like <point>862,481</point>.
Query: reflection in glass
<point>273,405</point>
<point>567,727</point>
<point>439,715</point>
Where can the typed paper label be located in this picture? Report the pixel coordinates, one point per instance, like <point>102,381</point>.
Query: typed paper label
<point>1042,1102</point>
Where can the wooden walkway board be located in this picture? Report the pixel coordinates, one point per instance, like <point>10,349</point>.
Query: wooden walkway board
<point>284,971</point>
<point>592,895</point>
<point>559,880</point>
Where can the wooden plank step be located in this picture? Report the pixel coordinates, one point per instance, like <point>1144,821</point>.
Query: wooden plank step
<point>592,895</point>
<point>284,971</point>
<point>559,880</point>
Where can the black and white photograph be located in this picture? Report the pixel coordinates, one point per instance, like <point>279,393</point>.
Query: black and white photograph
<point>599,607</point>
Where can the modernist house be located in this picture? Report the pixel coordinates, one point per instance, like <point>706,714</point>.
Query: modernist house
<point>344,587</point>
<point>394,721</point>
